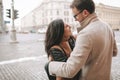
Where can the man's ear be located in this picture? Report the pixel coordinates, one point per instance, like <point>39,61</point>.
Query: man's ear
<point>85,13</point>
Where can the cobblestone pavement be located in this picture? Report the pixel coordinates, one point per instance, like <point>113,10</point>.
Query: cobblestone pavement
<point>25,61</point>
<point>26,70</point>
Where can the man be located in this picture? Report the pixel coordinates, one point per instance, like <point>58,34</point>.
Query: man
<point>95,46</point>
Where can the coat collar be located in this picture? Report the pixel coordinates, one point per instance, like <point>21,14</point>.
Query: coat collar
<point>91,18</point>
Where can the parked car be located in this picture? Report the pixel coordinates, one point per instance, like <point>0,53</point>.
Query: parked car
<point>32,31</point>
<point>41,31</point>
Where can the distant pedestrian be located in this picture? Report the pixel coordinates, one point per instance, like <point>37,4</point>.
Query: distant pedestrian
<point>94,48</point>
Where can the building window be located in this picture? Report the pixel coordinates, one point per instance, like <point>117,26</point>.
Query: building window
<point>66,13</point>
<point>57,12</point>
<point>66,6</point>
<point>68,20</point>
<point>65,19</point>
<point>51,19</point>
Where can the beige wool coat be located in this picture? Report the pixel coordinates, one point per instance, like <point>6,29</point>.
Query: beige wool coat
<point>95,46</point>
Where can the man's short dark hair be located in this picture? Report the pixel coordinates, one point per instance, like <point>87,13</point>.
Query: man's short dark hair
<point>84,4</point>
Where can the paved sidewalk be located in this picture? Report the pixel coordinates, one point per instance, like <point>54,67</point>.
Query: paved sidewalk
<point>24,70</point>
<point>25,61</point>
<point>32,68</point>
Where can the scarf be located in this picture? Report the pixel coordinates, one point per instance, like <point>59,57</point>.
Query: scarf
<point>91,18</point>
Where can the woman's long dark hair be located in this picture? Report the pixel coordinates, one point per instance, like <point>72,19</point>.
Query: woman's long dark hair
<point>54,34</point>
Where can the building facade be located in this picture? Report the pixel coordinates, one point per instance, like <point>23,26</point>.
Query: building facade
<point>51,9</point>
<point>110,15</point>
<point>46,12</point>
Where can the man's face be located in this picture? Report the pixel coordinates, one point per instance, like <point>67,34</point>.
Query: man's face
<point>79,15</point>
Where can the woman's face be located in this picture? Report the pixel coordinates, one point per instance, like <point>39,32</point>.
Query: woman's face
<point>67,32</point>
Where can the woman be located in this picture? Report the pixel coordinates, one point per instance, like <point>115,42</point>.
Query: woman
<point>59,43</point>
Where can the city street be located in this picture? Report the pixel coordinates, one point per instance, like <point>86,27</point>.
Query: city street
<point>25,60</point>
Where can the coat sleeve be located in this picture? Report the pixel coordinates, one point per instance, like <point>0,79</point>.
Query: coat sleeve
<point>115,50</point>
<point>76,60</point>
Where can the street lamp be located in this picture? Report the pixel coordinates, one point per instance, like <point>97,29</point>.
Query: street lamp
<point>13,31</point>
